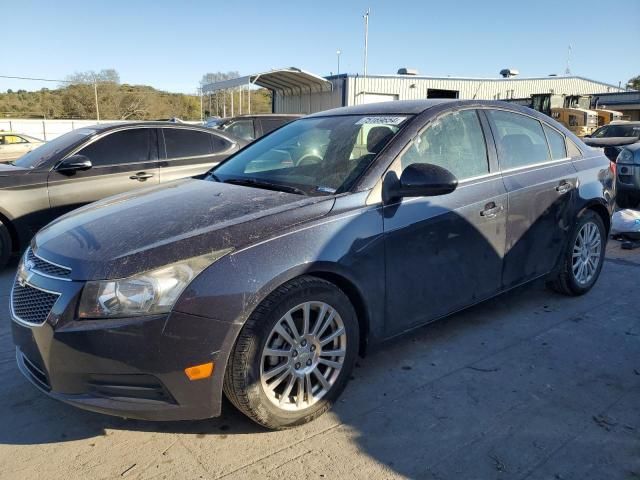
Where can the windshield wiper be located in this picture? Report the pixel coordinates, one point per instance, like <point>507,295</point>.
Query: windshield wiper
<point>252,182</point>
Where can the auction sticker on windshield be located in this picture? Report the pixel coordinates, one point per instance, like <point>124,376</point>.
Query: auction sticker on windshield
<point>381,120</point>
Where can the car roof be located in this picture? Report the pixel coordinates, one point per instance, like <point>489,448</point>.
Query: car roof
<point>105,127</point>
<point>415,107</point>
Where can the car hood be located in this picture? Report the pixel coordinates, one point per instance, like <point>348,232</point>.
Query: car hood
<point>7,170</point>
<point>135,232</point>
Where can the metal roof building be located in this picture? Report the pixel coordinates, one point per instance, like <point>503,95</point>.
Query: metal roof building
<point>297,91</point>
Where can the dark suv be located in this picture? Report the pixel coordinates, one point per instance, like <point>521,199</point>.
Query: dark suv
<point>91,163</point>
<point>250,127</point>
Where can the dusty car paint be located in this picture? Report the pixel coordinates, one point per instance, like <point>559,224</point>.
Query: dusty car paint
<point>402,263</point>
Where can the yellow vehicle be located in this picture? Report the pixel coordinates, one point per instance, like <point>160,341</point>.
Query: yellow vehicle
<point>580,121</point>
<point>573,111</point>
<point>605,116</point>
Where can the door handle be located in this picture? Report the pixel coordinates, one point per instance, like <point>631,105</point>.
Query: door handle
<point>563,187</point>
<point>141,176</point>
<point>491,210</point>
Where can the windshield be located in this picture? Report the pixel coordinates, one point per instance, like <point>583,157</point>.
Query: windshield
<point>316,156</point>
<point>617,131</point>
<point>43,153</point>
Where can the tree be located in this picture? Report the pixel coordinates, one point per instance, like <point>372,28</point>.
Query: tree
<point>108,75</point>
<point>634,82</point>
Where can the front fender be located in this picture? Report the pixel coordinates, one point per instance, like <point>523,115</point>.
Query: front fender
<point>346,244</point>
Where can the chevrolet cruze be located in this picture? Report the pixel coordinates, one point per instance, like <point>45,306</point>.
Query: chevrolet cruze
<point>265,278</point>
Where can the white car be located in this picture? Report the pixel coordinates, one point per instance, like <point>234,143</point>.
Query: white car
<point>14,145</point>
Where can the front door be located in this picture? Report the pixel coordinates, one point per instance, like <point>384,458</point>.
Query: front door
<point>444,253</point>
<point>540,182</point>
<point>122,160</point>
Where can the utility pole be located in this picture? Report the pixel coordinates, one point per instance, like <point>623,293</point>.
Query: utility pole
<point>95,94</point>
<point>201,112</point>
<point>338,52</point>
<point>366,40</point>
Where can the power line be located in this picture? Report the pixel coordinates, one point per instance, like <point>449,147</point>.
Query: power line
<point>37,79</point>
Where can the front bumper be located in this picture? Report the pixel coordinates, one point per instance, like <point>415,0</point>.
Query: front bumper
<point>132,367</point>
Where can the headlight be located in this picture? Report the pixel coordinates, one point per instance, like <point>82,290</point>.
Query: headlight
<point>148,293</point>
<point>626,156</point>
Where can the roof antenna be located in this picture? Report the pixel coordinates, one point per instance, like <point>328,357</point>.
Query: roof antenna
<point>568,69</point>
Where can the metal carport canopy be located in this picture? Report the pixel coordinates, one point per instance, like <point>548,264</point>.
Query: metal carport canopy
<point>286,80</point>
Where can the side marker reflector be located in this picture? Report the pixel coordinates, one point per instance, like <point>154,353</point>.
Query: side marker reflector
<point>198,372</point>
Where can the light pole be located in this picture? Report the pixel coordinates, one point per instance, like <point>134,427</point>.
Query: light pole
<point>338,52</point>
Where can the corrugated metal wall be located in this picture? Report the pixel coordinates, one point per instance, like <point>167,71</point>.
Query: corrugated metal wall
<point>309,102</point>
<point>414,88</point>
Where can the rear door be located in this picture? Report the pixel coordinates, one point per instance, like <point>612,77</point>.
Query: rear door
<point>445,252</point>
<point>123,160</point>
<point>190,152</point>
<point>540,180</point>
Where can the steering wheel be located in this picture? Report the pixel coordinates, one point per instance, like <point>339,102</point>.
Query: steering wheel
<point>308,159</point>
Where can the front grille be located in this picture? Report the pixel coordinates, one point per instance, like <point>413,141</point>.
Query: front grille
<point>31,305</point>
<point>46,268</point>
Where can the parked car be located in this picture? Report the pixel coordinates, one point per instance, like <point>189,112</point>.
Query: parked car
<point>14,145</point>
<point>628,177</point>
<point>266,278</point>
<point>613,137</point>
<point>88,164</point>
<point>250,127</point>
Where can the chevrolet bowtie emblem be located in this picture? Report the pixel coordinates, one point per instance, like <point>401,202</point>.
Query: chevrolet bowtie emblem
<point>25,273</point>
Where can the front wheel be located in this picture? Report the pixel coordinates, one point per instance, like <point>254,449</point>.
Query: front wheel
<point>294,355</point>
<point>583,259</point>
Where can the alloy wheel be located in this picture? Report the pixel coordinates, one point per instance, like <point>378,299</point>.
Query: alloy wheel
<point>303,356</point>
<point>586,255</point>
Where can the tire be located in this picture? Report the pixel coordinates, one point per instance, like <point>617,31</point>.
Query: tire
<point>5,246</point>
<point>246,384</point>
<point>567,281</point>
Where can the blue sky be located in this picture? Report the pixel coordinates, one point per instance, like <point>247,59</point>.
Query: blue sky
<point>170,44</point>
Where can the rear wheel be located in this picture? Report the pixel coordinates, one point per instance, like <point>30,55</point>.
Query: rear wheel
<point>294,355</point>
<point>583,259</point>
<point>5,245</point>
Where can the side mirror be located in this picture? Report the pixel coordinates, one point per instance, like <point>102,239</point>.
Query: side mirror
<point>74,163</point>
<point>419,180</point>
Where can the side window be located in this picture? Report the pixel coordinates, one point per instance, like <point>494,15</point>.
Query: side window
<point>219,144</point>
<point>187,143</point>
<point>13,139</point>
<point>520,139</point>
<point>454,141</point>
<point>573,150</point>
<point>556,143</point>
<point>270,124</point>
<point>125,146</point>
<point>241,129</point>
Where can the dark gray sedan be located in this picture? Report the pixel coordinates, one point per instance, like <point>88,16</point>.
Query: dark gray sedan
<point>91,163</point>
<point>266,278</point>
